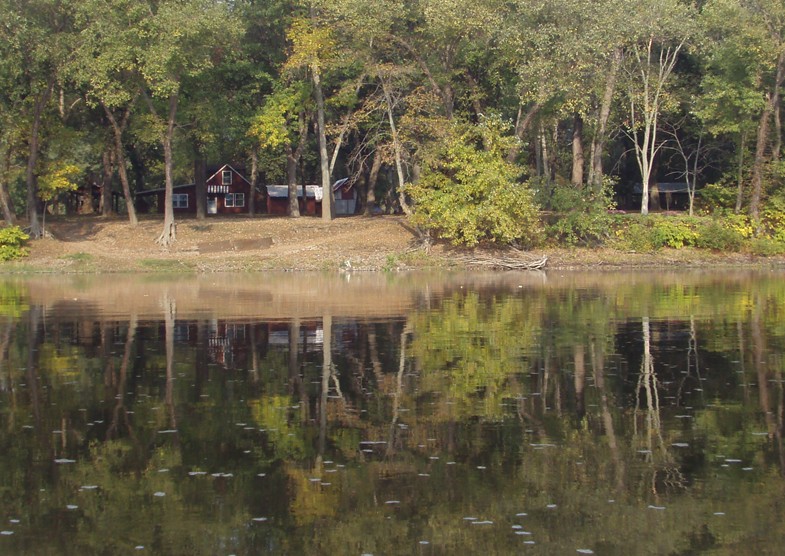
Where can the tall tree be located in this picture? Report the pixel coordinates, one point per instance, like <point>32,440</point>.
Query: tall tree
<point>662,31</point>
<point>182,39</point>
<point>35,42</point>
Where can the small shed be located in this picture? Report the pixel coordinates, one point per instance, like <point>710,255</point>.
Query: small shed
<point>278,199</point>
<point>345,198</point>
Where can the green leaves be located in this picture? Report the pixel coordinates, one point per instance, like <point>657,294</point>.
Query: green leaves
<point>470,194</point>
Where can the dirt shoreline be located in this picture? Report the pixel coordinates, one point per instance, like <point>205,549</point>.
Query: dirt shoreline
<point>92,244</point>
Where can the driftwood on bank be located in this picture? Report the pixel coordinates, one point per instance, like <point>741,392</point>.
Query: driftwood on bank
<point>512,261</point>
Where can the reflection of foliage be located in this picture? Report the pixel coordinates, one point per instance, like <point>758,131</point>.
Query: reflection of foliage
<point>12,300</point>
<point>489,378</point>
<point>476,347</point>
<point>272,413</point>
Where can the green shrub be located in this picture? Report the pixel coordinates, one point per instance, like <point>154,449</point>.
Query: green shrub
<point>773,217</point>
<point>766,247</point>
<point>720,234</point>
<point>468,193</point>
<point>714,197</point>
<point>673,232</point>
<point>581,215</point>
<point>12,243</point>
<point>649,233</point>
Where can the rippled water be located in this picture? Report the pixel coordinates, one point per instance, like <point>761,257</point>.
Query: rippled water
<point>562,413</point>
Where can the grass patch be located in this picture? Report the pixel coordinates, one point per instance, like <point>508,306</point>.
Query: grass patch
<point>165,265</point>
<point>79,257</point>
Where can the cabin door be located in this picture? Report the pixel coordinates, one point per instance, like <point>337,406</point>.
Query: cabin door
<point>212,205</point>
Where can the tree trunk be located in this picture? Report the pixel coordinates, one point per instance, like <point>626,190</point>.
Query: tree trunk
<point>577,151</point>
<point>328,197</point>
<point>396,148</point>
<point>119,155</point>
<point>254,180</point>
<point>740,176</point>
<point>758,166</point>
<point>200,185</point>
<point>168,234</point>
<point>373,176</point>
<point>600,135</point>
<point>522,123</point>
<point>106,183</point>
<point>293,207</point>
<point>31,179</point>
<point>6,203</point>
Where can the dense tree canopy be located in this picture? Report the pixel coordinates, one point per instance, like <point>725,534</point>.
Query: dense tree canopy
<point>596,94</point>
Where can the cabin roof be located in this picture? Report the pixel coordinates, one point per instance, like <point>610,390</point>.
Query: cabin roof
<point>227,166</point>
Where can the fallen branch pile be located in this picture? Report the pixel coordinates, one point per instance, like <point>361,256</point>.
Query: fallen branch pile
<point>504,262</point>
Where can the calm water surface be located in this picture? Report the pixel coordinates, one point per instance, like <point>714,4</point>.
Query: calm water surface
<point>558,413</point>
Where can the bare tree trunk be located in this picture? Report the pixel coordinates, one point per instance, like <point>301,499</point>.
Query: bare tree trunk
<point>371,184</point>
<point>6,203</point>
<point>169,233</point>
<point>600,135</point>
<point>577,151</point>
<point>31,179</point>
<point>522,123</point>
<point>106,186</point>
<point>293,206</point>
<point>200,185</point>
<point>254,179</point>
<point>396,148</point>
<point>328,197</point>
<point>118,128</point>
<point>740,176</point>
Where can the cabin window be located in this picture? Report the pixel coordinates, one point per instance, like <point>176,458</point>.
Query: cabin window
<point>180,200</point>
<point>234,200</point>
<point>226,177</point>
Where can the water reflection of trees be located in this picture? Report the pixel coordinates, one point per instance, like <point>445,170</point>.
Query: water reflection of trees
<point>560,390</point>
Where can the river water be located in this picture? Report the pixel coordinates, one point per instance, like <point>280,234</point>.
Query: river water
<point>514,413</point>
